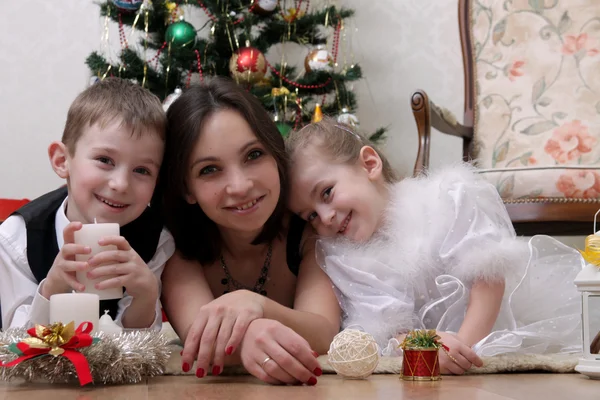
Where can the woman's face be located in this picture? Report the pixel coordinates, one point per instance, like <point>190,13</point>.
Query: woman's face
<point>231,175</point>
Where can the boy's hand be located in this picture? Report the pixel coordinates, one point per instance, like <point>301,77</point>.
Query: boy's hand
<point>123,267</point>
<point>459,358</point>
<point>61,277</point>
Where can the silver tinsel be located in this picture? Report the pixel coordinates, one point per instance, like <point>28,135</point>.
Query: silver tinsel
<point>116,359</point>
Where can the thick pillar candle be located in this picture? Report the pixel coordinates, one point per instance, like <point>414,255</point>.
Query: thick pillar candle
<point>76,307</point>
<point>89,235</point>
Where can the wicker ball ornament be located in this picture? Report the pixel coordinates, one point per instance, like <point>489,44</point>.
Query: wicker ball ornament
<point>353,354</point>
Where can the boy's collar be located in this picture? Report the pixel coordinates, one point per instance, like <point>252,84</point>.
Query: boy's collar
<point>60,223</point>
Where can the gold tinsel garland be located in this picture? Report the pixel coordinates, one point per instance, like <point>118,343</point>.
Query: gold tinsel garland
<point>116,359</point>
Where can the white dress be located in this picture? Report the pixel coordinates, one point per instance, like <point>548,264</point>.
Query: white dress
<point>442,232</point>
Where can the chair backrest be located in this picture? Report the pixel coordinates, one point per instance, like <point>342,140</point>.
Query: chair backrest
<point>8,206</point>
<point>532,95</point>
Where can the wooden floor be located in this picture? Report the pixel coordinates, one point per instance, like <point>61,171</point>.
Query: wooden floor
<point>480,387</point>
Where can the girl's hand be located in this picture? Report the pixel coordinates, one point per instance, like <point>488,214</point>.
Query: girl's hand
<point>459,358</point>
<point>219,329</point>
<point>276,354</point>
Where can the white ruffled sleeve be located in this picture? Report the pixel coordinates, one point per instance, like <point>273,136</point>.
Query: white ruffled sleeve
<point>480,242</point>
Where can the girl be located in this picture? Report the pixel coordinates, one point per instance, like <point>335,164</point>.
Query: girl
<point>244,285</point>
<point>437,251</point>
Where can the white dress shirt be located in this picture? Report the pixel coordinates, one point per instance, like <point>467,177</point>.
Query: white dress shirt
<point>20,300</point>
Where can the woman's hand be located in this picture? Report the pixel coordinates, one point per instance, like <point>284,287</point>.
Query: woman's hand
<point>218,330</point>
<point>459,358</point>
<point>276,354</point>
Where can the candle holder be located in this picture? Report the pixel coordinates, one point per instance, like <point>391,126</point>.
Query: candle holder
<point>60,354</point>
<point>420,360</point>
<point>588,283</point>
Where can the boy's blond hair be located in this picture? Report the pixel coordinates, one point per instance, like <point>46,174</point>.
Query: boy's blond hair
<point>114,99</point>
<point>339,141</point>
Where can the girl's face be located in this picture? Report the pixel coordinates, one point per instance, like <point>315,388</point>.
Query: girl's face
<point>231,175</point>
<point>337,198</point>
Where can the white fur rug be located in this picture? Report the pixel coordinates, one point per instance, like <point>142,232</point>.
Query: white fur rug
<point>391,365</point>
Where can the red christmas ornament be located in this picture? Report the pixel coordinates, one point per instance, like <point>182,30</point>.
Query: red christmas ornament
<point>248,65</point>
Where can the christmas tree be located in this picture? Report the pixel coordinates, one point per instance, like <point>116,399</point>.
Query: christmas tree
<point>171,53</point>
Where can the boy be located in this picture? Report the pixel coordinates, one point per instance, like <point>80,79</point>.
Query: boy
<point>110,155</point>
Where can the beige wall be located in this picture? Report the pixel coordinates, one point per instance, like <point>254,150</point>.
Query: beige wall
<point>44,47</point>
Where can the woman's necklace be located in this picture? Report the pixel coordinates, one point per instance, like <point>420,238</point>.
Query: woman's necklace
<point>233,284</point>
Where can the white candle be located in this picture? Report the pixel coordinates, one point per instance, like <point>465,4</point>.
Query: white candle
<point>89,235</point>
<point>107,325</point>
<point>76,307</point>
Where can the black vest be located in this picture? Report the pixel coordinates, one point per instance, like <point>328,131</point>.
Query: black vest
<point>142,234</point>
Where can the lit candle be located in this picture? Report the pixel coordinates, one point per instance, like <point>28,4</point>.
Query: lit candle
<point>76,307</point>
<point>89,235</point>
<point>107,325</point>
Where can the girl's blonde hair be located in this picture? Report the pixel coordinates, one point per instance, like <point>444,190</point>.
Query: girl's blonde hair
<point>337,140</point>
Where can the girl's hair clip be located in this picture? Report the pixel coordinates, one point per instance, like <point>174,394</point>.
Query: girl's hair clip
<point>356,135</point>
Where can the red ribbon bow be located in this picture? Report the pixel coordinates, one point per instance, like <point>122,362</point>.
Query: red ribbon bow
<point>57,340</point>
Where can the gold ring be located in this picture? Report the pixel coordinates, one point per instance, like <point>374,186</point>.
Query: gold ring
<point>265,362</point>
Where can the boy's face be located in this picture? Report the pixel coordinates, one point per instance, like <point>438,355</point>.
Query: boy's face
<point>112,175</point>
<point>336,198</point>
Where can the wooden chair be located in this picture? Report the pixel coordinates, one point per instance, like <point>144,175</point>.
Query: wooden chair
<point>531,120</point>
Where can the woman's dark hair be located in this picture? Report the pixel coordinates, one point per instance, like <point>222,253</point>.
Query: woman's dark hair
<point>196,236</point>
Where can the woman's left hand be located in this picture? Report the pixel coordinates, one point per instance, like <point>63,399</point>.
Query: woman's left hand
<point>218,330</point>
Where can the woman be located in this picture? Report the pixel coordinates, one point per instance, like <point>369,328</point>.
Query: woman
<point>244,285</point>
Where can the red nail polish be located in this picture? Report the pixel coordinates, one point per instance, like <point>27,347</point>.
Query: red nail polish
<point>200,372</point>
<point>312,381</point>
<point>185,367</point>
<point>318,371</point>
<point>216,370</point>
<point>315,354</point>
<point>181,353</point>
<point>229,350</point>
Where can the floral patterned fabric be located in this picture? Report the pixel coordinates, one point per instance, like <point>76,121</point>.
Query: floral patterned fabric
<point>537,114</point>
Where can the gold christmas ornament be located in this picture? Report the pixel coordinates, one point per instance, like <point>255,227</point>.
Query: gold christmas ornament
<point>318,114</point>
<point>353,354</point>
<point>292,13</point>
<point>592,250</point>
<point>318,60</point>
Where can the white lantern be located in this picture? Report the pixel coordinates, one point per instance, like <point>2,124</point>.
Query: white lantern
<point>588,283</point>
